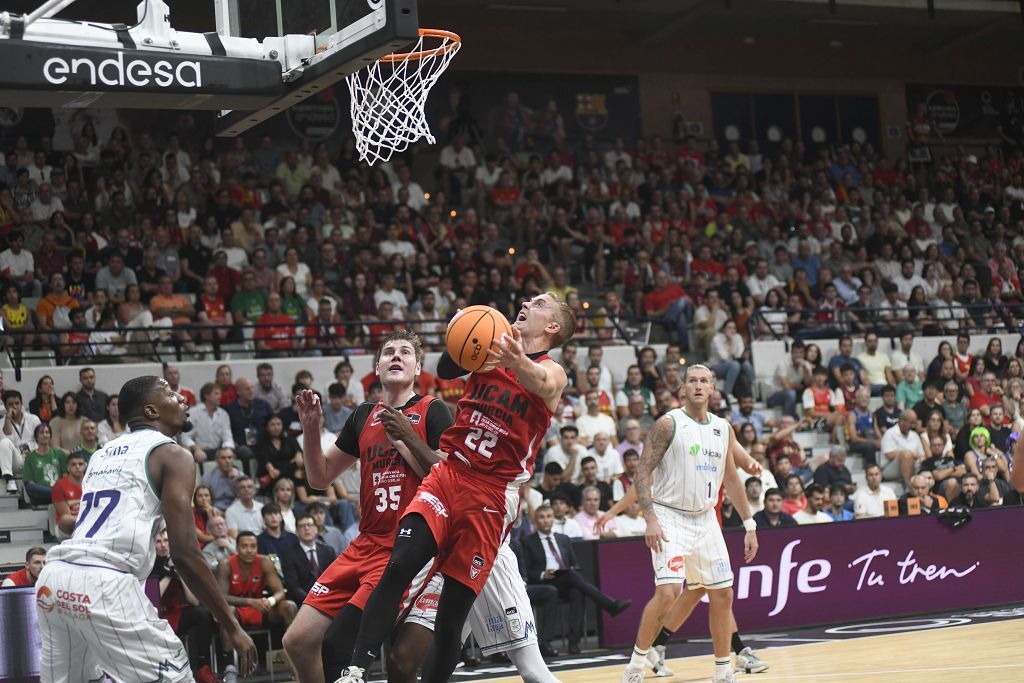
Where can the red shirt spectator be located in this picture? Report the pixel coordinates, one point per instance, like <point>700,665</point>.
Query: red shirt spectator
<point>665,293</point>
<point>275,330</point>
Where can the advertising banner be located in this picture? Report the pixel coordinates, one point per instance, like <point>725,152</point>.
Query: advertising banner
<point>834,573</point>
<point>968,111</point>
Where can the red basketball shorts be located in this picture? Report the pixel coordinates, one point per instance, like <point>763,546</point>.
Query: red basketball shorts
<point>468,517</point>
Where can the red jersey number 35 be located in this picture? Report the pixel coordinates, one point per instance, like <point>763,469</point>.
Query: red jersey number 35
<point>389,496</point>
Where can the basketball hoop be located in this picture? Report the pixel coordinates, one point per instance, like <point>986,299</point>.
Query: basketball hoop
<point>389,95</point>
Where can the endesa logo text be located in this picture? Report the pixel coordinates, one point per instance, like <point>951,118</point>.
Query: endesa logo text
<point>116,71</point>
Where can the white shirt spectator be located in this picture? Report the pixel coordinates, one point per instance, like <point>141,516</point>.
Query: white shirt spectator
<point>457,160</point>
<point>609,463</point>
<point>759,288</point>
<point>804,517</point>
<point>906,284</point>
<point>630,526</point>
<point>395,297</point>
<point>550,176</point>
<point>568,526</point>
<point>722,350</point>
<point>875,365</point>
<point>43,212</point>
<point>894,440</point>
<point>241,518</point>
<point>868,503</point>
<point>605,383</point>
<point>488,178</point>
<point>589,425</point>
<point>901,360</point>
<point>402,247</point>
<point>39,175</point>
<point>704,313</point>
<point>209,432</point>
<point>556,454</point>
<point>300,276</point>
<point>16,265</point>
<point>23,435</point>
<point>416,199</point>
<point>238,259</point>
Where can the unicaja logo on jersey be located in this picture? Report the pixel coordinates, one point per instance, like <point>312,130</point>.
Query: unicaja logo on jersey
<point>695,449</point>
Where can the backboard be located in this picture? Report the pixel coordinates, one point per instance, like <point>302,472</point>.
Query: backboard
<point>264,57</point>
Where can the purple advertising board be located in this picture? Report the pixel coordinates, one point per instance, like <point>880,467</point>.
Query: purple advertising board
<point>834,573</point>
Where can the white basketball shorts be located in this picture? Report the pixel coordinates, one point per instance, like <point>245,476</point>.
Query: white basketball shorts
<point>97,621</point>
<point>695,550</point>
<point>501,618</point>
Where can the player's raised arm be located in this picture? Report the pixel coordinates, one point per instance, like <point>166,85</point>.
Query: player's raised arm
<point>738,495</point>
<point>546,379</point>
<point>419,454</point>
<point>655,447</point>
<point>322,468</point>
<point>172,470</point>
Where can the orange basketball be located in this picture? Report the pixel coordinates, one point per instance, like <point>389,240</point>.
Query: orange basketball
<point>470,335</point>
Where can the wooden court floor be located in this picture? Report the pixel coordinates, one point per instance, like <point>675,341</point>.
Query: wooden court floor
<point>991,652</point>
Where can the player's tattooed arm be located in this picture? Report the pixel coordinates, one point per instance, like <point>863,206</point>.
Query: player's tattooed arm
<point>658,441</point>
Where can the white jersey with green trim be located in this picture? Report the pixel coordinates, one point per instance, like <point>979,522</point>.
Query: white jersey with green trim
<point>120,513</point>
<point>690,475</point>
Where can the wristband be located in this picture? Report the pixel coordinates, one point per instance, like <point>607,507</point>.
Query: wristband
<point>272,600</point>
<point>750,524</point>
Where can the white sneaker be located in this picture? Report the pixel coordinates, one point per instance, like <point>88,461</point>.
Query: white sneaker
<point>748,662</point>
<point>632,675</point>
<point>12,486</point>
<point>726,677</point>
<point>352,674</point>
<point>656,660</point>
<point>230,674</point>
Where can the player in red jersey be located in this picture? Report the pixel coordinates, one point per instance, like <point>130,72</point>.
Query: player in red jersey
<point>389,480</point>
<point>466,506</point>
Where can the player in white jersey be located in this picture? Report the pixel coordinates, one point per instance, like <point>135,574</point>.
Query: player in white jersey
<point>501,620</point>
<point>94,617</point>
<point>686,460</point>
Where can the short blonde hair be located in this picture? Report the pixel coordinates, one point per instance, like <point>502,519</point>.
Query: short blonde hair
<point>566,319</point>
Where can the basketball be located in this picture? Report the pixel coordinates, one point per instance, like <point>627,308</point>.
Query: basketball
<point>470,335</point>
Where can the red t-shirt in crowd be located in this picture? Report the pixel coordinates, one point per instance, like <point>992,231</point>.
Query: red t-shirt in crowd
<point>19,578</point>
<point>278,333</point>
<point>65,491</point>
<point>657,299</point>
<point>980,399</point>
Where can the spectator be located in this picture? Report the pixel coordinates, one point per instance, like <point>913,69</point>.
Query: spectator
<point>632,434</point>
<point>550,561</point>
<point>222,480</point>
<point>274,541</point>
<point>929,503</point>
<point>54,309</point>
<point>203,511</point>
<point>594,421</point>
<point>244,513</point>
<point>222,546</point>
<point>792,374</point>
<point>276,336</point>
<point>870,501</point>
<point>755,494</point>
<point>278,454</point>
<point>638,412</point>
<point>92,402</point>
<point>630,522</point>
<point>35,560</point>
<point>567,452</point>
<point>825,407</point>
<point>812,512</point>
<point>981,450</point>
<point>336,412</point>
<point>772,515</point>
<point>909,391</point>
<point>211,426</point>
<point>862,437</point>
<point>796,500</point>
<point>993,487</point>
<point>17,319</point>
<point>876,365</point>
<point>110,427</point>
<point>44,466</point>
<point>244,577</point>
<point>66,494</point>
<point>838,505</point>
<point>212,313</point>
<point>19,430</point>
<point>66,425</point>
<point>88,441</point>
<point>728,357</point>
<point>283,493</point>
<point>173,378</point>
<point>249,302</point>
<point>45,404</point>
<point>902,451</point>
<point>331,535</point>
<point>970,496</point>
<point>248,416</point>
<point>269,390</point>
<point>589,478</point>
<point>589,513</point>
<point>929,403</point>
<point>116,277</point>
<point>302,564</point>
<point>188,618</point>
<point>907,356</point>
<point>561,506</point>
<point>745,413</point>
<point>607,459</point>
<point>834,474</point>
<point>18,265</point>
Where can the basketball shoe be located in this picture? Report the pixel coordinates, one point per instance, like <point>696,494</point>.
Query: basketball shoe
<point>352,674</point>
<point>631,675</point>
<point>748,662</point>
<point>656,660</point>
<point>726,677</point>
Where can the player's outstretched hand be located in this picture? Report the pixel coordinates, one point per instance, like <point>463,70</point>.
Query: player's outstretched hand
<point>310,412</point>
<point>752,467</point>
<point>654,535</point>
<point>396,424</point>
<point>601,522</point>
<point>238,640</point>
<point>508,350</point>
<point>749,546</point>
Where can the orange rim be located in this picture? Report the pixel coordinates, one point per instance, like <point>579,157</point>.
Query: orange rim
<point>453,42</point>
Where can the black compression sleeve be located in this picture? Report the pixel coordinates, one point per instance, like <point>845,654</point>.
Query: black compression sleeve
<point>448,369</point>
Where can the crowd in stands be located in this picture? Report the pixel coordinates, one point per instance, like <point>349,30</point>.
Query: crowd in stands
<point>303,251</point>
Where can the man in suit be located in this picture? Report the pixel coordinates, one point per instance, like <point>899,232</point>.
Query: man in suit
<point>302,564</point>
<point>550,561</point>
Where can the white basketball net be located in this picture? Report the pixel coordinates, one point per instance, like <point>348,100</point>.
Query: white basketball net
<point>389,95</point>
